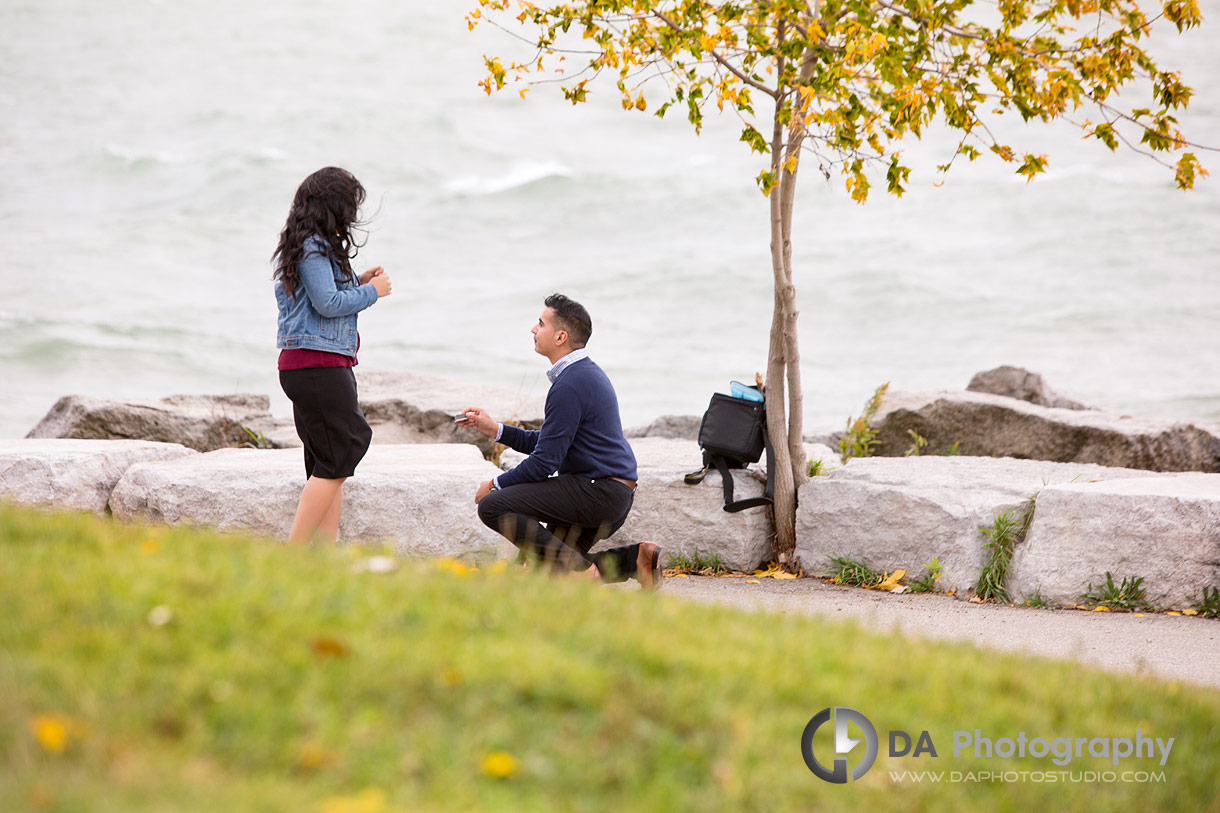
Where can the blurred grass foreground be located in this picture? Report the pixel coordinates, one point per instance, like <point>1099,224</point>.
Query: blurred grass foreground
<point>154,668</point>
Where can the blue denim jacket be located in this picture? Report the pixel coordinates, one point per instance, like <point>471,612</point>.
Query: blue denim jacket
<point>323,316</point>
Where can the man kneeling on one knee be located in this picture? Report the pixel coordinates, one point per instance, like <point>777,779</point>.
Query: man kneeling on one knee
<point>557,519</point>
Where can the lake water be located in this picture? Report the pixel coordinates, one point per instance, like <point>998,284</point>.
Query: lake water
<point>149,151</point>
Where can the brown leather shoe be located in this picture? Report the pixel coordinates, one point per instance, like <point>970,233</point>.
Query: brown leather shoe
<point>648,566</point>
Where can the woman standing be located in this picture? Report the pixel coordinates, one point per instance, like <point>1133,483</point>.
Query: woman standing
<point>318,296</point>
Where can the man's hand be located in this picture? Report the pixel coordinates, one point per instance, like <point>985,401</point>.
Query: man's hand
<point>479,419</point>
<point>484,490</point>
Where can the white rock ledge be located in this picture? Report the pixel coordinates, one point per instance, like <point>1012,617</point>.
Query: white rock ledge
<point>73,474</point>
<point>1165,529</point>
<point>418,497</point>
<point>690,519</point>
<point>896,513</point>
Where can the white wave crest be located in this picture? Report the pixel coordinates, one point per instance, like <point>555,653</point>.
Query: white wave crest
<point>517,176</point>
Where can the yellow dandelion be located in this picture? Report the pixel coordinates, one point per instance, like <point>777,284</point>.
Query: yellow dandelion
<point>499,765</point>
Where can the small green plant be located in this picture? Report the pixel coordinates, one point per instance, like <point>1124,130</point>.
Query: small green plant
<point>853,572</point>
<point>860,439</point>
<point>816,468</point>
<point>926,583</point>
<point>918,443</point>
<point>1209,607</point>
<point>1036,601</point>
<point>256,440</point>
<point>952,451</point>
<point>1008,529</point>
<point>703,564</point>
<point>1126,595</point>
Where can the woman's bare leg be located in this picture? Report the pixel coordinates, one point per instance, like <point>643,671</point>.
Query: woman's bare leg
<point>319,499</point>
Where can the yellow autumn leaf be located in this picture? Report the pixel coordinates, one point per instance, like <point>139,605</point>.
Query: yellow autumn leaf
<point>753,581</point>
<point>50,731</point>
<point>455,566</point>
<point>1101,608</point>
<point>54,732</point>
<point>499,765</point>
<point>524,91</point>
<point>328,647</point>
<point>1172,612</point>
<point>313,756</point>
<point>890,581</point>
<point>1190,612</point>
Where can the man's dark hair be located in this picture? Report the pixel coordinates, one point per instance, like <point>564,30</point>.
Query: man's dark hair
<point>571,316</point>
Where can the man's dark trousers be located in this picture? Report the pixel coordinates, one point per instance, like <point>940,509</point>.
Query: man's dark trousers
<point>557,521</point>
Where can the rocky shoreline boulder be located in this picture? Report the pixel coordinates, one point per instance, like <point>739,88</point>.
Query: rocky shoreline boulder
<point>200,422</point>
<point>1163,529</point>
<point>74,474</point>
<point>983,425</point>
<point>418,498</point>
<point>1019,383</point>
<point>417,408</point>
<point>902,513</point>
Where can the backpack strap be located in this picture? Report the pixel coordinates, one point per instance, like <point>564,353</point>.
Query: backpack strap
<point>752,502</point>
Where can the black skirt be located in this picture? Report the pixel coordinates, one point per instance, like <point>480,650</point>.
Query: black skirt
<point>328,418</point>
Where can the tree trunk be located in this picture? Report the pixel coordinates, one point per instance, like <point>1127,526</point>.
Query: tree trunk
<point>784,507</point>
<point>785,420</point>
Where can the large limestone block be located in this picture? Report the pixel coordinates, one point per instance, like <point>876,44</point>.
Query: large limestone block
<point>416,408</point>
<point>996,426</point>
<point>75,474</point>
<point>690,519</point>
<point>420,498</point>
<point>1165,529</point>
<point>201,422</point>
<point>902,512</point>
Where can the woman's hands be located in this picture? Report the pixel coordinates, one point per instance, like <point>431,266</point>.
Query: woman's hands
<point>379,278</point>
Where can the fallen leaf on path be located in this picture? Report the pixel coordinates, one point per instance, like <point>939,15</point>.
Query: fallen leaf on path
<point>888,581</point>
<point>753,581</point>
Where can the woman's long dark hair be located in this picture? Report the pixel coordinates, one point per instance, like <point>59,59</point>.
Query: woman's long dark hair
<point>326,205</point>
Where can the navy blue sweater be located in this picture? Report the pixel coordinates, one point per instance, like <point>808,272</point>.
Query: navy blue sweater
<point>581,432</point>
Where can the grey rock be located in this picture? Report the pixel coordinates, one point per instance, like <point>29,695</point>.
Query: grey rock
<point>674,427</point>
<point>690,519</point>
<point>73,474</point>
<point>1164,529</point>
<point>1019,383</point>
<point>416,408</point>
<point>901,513</point>
<point>419,498</point>
<point>995,426</point>
<point>200,422</point>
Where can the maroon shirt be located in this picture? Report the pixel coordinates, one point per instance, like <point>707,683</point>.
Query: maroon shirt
<point>298,359</point>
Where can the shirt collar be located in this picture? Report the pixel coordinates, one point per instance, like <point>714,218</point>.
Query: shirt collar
<point>565,362</point>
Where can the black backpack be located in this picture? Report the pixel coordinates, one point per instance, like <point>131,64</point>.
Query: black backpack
<point>732,435</point>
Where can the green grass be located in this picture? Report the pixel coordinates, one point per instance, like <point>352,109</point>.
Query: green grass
<point>1006,532</point>
<point>153,669</point>
<point>1127,595</point>
<point>854,572</point>
<point>706,564</point>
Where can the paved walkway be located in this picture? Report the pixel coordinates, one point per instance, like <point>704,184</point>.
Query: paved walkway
<point>1178,648</point>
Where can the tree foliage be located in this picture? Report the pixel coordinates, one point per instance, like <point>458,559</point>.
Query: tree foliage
<point>847,81</point>
<point>855,77</point>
